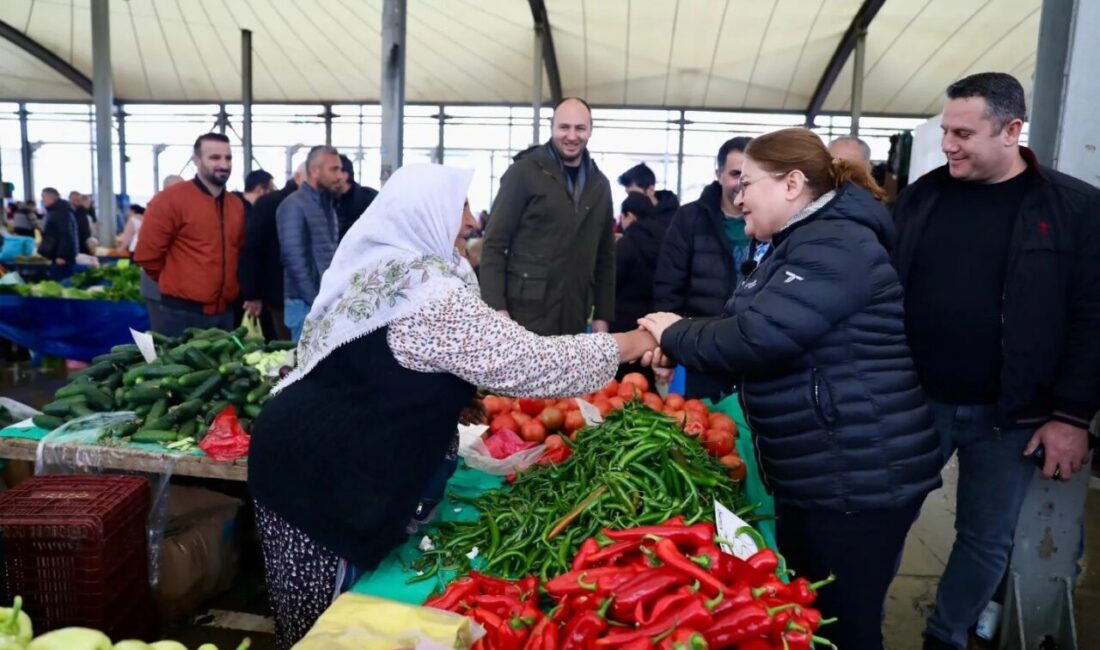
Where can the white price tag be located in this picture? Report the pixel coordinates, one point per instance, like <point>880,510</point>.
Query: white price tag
<point>145,345</point>
<point>727,523</point>
<point>591,414</point>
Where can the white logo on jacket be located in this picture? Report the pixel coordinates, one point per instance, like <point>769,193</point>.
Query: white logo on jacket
<point>791,277</point>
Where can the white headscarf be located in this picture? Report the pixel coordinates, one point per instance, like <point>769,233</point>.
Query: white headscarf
<point>397,257</point>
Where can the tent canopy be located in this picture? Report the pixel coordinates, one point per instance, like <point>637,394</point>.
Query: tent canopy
<point>760,55</point>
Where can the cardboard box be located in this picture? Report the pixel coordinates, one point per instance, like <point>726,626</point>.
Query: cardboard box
<point>200,552</point>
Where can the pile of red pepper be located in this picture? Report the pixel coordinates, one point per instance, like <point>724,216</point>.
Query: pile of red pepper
<point>665,587</point>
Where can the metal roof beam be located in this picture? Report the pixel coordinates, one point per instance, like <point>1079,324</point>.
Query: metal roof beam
<point>40,52</point>
<point>549,56</point>
<point>860,22</point>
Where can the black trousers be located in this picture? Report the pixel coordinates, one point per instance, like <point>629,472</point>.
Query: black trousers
<point>863,550</point>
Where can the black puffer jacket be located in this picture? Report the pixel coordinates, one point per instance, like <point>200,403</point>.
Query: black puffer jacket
<point>817,338</point>
<point>695,274</point>
<point>635,264</point>
<point>60,236</point>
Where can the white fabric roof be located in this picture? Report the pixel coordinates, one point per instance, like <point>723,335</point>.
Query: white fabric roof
<point>706,54</point>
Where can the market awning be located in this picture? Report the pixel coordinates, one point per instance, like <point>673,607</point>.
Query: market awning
<point>707,54</point>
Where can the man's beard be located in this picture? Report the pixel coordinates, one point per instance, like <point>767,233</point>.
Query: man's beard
<point>214,179</point>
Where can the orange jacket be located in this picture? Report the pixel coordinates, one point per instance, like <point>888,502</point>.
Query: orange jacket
<point>190,242</point>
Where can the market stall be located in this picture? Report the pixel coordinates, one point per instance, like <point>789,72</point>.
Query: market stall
<point>79,318</point>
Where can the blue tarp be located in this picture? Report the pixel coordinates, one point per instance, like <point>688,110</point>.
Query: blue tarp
<point>71,329</point>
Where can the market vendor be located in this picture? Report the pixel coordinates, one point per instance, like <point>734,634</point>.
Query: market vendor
<point>815,338</point>
<point>391,352</point>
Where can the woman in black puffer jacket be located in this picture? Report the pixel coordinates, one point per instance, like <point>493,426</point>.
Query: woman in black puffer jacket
<point>816,341</point>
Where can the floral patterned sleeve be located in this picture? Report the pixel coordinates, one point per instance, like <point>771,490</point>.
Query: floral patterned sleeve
<point>462,335</point>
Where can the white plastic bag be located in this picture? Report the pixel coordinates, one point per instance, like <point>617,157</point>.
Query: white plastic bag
<point>20,412</point>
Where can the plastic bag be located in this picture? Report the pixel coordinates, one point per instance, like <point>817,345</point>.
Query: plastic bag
<point>226,440</point>
<point>19,412</point>
<point>355,621</point>
<point>252,326</point>
<point>74,448</point>
<point>479,454</point>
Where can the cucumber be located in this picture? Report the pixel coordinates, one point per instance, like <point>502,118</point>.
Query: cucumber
<point>144,394</point>
<point>48,422</point>
<point>142,410</point>
<point>126,347</point>
<point>95,372</point>
<point>80,410</point>
<point>281,345</point>
<point>113,381</point>
<point>193,379</point>
<point>186,411</point>
<point>246,424</point>
<point>159,408</point>
<point>72,390</point>
<point>163,340</point>
<point>230,368</point>
<point>199,360</point>
<point>242,385</point>
<point>258,393</point>
<point>163,422</point>
<point>252,410</point>
<point>60,409</point>
<point>123,357</point>
<point>97,398</point>
<point>188,428</point>
<point>127,428</point>
<point>205,389</point>
<point>214,409</point>
<point>151,371</point>
<point>154,435</point>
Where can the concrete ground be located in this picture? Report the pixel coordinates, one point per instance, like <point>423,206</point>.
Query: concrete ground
<point>913,593</point>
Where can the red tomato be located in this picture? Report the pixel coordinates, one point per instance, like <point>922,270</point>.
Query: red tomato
<point>718,442</point>
<point>693,427</point>
<point>553,441</point>
<point>638,379</point>
<point>567,405</point>
<point>674,402</point>
<point>492,405</point>
<point>552,418</point>
<point>504,421</point>
<point>653,401</point>
<point>736,466</point>
<point>574,421</point>
<point>611,390</point>
<point>505,404</point>
<point>723,422</point>
<point>533,431</point>
<point>531,407</point>
<point>679,417</point>
<point>628,392</point>
<point>521,418</point>
<point>604,405</point>
<point>696,405</point>
<point>617,403</point>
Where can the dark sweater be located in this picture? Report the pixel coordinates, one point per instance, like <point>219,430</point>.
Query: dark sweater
<point>343,453</point>
<point>954,302</point>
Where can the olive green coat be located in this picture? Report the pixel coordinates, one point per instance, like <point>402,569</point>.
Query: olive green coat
<point>547,259</point>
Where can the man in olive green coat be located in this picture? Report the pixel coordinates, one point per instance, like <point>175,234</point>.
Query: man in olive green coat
<point>547,259</point>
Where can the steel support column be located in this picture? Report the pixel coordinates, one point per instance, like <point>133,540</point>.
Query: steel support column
<point>26,155</point>
<point>681,123</point>
<point>157,180</point>
<point>103,91</point>
<point>536,86</point>
<point>393,85</point>
<point>857,79</point>
<point>327,115</point>
<point>246,99</point>
<point>1049,534</point>
<point>122,158</point>
<point>440,146</point>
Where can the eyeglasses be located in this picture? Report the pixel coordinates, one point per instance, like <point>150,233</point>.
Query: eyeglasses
<point>746,182</point>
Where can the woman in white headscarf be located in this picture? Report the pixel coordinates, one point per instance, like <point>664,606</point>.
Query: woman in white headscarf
<point>390,353</point>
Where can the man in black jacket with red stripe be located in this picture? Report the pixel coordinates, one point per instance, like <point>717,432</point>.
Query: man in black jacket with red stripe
<point>1000,259</point>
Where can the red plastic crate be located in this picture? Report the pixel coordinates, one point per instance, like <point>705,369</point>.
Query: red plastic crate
<point>75,548</point>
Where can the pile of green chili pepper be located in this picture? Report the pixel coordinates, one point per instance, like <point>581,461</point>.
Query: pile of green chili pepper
<point>634,469</point>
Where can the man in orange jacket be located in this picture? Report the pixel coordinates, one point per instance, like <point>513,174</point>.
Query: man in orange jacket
<point>190,241</point>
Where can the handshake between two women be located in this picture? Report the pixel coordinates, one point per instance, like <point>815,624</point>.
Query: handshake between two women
<point>644,344</point>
